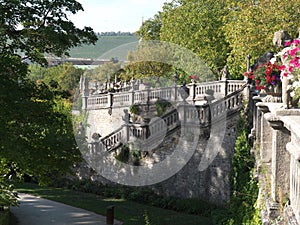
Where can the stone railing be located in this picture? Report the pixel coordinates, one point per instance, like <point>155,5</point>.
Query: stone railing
<point>213,112</point>
<point>109,142</point>
<point>218,89</point>
<point>151,131</point>
<point>230,104</point>
<point>148,133</point>
<point>197,93</point>
<point>277,133</point>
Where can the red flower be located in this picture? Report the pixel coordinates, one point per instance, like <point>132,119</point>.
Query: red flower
<point>265,75</point>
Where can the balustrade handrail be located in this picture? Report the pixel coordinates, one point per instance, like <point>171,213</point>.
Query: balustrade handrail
<point>169,93</point>
<point>131,126</point>
<point>230,95</point>
<point>211,106</point>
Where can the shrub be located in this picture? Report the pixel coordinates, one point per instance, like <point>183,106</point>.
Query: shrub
<point>4,217</point>
<point>134,109</point>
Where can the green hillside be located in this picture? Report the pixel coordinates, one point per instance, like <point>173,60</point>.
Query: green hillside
<point>106,48</point>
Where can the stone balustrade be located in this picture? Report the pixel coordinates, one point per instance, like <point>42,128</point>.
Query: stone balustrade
<point>187,124</point>
<point>277,133</point>
<point>113,140</point>
<point>230,103</point>
<point>137,95</point>
<point>148,133</point>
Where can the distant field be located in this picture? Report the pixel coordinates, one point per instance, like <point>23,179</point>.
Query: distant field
<point>106,48</point>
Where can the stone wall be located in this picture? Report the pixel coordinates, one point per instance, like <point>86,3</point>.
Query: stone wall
<point>206,174</point>
<point>102,122</point>
<point>277,138</point>
<point>211,184</point>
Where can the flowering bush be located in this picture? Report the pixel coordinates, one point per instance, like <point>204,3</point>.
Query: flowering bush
<point>265,75</point>
<point>290,57</point>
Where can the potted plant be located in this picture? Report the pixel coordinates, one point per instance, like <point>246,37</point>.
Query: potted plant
<point>193,78</point>
<point>266,77</point>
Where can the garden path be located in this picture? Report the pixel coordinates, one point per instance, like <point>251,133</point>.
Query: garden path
<point>38,211</point>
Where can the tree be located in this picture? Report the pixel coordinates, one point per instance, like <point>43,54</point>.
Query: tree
<point>106,72</point>
<point>36,27</point>
<point>36,134</point>
<point>66,76</point>
<point>148,60</point>
<point>250,25</point>
<point>150,29</point>
<point>197,25</point>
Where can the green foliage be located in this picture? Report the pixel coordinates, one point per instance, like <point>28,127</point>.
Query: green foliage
<point>242,206</point>
<point>64,77</point>
<point>38,27</point>
<point>36,135</point>
<point>124,154</point>
<point>150,29</point>
<point>149,59</point>
<point>4,217</point>
<point>250,25</point>
<point>146,218</point>
<point>161,107</point>
<point>134,109</point>
<point>196,25</point>
<point>224,32</point>
<point>105,72</point>
<point>7,195</point>
<point>36,132</point>
<point>142,195</point>
<point>136,156</point>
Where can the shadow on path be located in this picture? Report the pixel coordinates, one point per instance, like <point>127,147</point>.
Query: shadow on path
<point>38,211</point>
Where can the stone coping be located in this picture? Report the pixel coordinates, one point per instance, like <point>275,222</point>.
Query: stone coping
<point>278,117</point>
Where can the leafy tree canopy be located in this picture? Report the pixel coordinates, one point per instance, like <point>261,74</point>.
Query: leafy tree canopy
<point>64,77</point>
<point>150,29</point>
<point>250,25</point>
<point>105,72</point>
<point>36,27</point>
<point>196,25</point>
<point>223,32</point>
<point>36,135</point>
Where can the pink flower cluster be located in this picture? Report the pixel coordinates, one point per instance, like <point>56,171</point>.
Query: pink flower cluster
<point>291,58</point>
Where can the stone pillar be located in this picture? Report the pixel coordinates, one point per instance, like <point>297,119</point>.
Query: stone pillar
<point>110,99</point>
<point>131,97</point>
<point>280,178</point>
<point>192,92</point>
<point>285,93</point>
<point>224,87</point>
<point>174,93</point>
<point>85,93</point>
<point>255,131</point>
<point>293,148</point>
<point>265,134</point>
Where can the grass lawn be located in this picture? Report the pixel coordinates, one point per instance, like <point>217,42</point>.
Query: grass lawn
<point>131,213</point>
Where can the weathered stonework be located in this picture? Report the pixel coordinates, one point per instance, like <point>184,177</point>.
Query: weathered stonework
<point>211,183</point>
<point>279,146</point>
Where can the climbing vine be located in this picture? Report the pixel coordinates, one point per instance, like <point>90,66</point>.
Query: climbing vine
<point>243,208</point>
<point>243,203</point>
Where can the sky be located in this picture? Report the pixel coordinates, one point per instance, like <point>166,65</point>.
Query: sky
<point>116,15</point>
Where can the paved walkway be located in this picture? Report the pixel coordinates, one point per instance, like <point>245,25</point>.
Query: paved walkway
<point>38,211</point>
